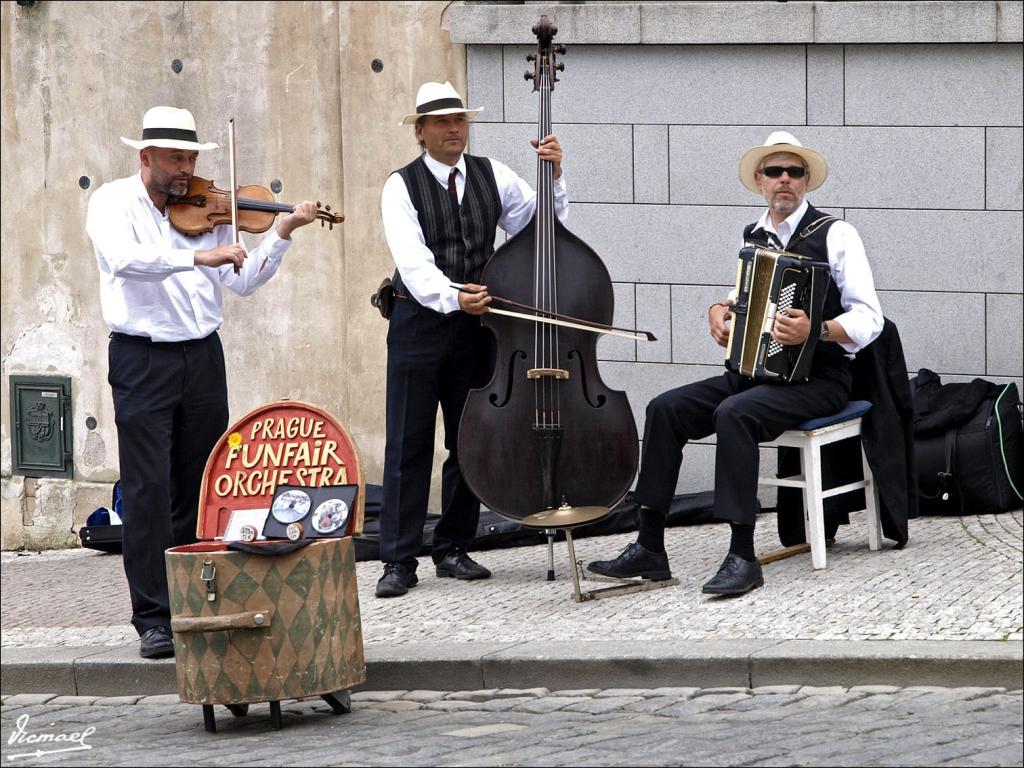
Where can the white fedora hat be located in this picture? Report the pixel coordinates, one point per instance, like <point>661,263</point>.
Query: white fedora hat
<point>781,141</point>
<point>438,99</point>
<point>170,128</point>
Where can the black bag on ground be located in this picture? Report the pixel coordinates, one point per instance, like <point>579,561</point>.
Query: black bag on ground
<point>105,538</point>
<point>102,535</point>
<point>969,446</point>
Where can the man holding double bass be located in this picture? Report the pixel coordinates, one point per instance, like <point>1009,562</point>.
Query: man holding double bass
<point>742,412</point>
<point>160,292</point>
<point>440,213</point>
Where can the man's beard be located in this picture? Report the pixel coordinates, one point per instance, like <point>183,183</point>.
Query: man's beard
<point>175,187</point>
<point>784,204</point>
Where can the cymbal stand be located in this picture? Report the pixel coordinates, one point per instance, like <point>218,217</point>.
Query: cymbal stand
<point>573,518</point>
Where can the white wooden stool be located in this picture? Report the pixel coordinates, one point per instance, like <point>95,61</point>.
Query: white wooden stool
<point>809,437</point>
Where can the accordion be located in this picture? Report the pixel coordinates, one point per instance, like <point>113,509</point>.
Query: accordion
<point>767,282</point>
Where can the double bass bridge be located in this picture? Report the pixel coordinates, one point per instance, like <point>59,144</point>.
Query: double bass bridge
<point>540,373</point>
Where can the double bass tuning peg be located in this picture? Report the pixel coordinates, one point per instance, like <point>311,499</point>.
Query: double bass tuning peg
<point>531,57</point>
<point>559,49</point>
<point>528,75</point>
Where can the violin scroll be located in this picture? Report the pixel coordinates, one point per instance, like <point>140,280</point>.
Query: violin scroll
<point>328,218</point>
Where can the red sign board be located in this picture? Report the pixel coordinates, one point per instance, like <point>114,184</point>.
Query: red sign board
<point>283,443</point>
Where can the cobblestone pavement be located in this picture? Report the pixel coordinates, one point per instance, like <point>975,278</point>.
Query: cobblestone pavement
<point>772,726</point>
<point>958,579</point>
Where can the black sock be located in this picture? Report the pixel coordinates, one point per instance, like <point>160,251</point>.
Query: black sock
<point>652,530</point>
<point>742,541</point>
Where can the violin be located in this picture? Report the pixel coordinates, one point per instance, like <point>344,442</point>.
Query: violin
<point>204,206</point>
<point>546,431</point>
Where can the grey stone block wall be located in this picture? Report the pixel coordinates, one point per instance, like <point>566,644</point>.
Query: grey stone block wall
<point>915,105</point>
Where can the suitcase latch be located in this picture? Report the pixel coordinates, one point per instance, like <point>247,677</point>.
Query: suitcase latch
<point>209,576</point>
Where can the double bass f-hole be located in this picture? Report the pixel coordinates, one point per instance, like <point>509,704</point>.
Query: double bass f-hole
<point>546,428</point>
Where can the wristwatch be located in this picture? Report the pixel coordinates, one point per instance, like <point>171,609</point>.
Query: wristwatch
<point>824,330</point>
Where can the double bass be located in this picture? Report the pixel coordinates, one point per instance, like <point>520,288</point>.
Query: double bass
<point>546,431</point>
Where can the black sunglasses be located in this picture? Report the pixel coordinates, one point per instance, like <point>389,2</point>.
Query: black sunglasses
<point>776,171</point>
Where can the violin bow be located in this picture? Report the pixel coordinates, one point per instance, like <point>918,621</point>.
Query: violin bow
<point>234,187</point>
<point>555,318</point>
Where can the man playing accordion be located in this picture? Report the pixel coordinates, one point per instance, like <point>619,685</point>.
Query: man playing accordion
<point>740,411</point>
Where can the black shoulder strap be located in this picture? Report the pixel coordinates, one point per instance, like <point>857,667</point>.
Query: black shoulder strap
<point>948,484</point>
<point>811,228</point>
<point>806,232</point>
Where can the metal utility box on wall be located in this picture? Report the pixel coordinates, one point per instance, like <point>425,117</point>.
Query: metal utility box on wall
<point>41,443</point>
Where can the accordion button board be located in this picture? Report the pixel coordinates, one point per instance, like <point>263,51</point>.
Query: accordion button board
<point>768,282</point>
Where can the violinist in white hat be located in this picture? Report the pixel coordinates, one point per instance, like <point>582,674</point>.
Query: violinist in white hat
<point>160,292</point>
<point>440,214</point>
<point>740,411</point>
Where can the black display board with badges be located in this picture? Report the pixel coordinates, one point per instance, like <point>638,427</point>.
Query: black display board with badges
<point>319,513</point>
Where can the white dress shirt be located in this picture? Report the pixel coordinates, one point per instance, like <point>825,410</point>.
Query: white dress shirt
<point>415,261</point>
<point>862,317</point>
<point>149,283</point>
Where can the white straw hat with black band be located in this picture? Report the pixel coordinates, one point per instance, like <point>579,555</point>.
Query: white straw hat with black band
<point>169,128</point>
<point>438,99</point>
<point>781,141</point>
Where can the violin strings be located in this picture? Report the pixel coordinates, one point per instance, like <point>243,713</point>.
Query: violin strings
<point>264,205</point>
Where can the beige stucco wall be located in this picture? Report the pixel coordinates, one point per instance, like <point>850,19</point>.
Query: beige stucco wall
<point>309,111</point>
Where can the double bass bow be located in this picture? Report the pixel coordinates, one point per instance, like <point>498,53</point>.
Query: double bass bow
<point>546,431</point>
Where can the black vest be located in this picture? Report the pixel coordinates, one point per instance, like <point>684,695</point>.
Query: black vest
<point>811,241</point>
<point>461,237</point>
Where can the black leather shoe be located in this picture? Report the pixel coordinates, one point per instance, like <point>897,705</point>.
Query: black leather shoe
<point>398,578</point>
<point>735,577</point>
<point>634,561</point>
<point>459,565</point>
<point>156,643</point>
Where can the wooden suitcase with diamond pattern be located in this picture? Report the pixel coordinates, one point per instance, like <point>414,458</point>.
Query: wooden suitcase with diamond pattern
<point>252,628</point>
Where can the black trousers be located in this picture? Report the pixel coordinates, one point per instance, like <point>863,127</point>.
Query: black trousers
<point>433,359</point>
<point>741,413</point>
<point>171,407</point>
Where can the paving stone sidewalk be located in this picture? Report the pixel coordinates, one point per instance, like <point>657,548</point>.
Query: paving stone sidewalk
<point>959,578</point>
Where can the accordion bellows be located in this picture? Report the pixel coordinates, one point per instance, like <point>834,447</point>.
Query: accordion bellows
<point>769,282</point>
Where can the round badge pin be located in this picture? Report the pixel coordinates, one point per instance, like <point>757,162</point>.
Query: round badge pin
<point>294,531</point>
<point>247,533</point>
<point>330,516</point>
<point>290,506</point>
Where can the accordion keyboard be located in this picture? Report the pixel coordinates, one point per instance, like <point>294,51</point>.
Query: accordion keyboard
<point>786,296</point>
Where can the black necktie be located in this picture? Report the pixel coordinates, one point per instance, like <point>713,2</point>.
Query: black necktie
<point>453,192</point>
